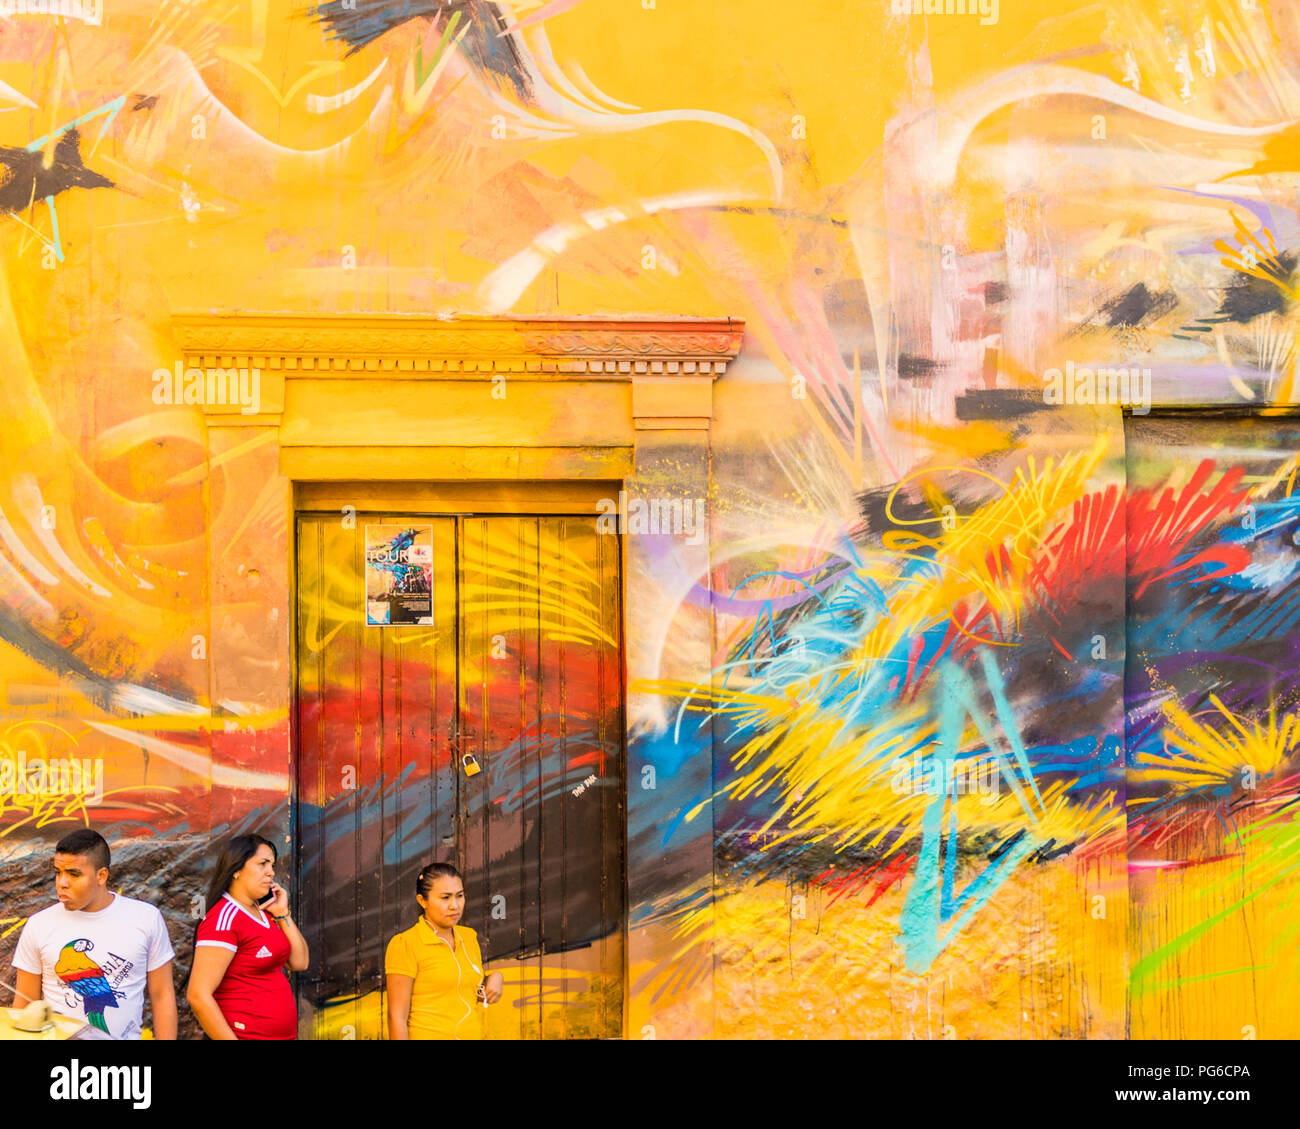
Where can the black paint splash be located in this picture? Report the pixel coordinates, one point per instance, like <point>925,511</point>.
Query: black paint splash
<point>912,366</point>
<point>1249,295</point>
<point>27,178</point>
<point>487,50</point>
<point>997,404</point>
<point>1136,306</point>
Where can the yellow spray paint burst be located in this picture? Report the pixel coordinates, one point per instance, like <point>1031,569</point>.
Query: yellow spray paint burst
<point>1067,822</point>
<point>968,568</point>
<point>1206,753</point>
<point>873,788</point>
<point>985,556</point>
<point>1255,258</point>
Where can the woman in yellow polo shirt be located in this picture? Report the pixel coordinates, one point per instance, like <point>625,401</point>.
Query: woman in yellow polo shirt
<point>434,969</point>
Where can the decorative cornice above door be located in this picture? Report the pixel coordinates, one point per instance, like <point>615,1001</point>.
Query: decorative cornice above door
<point>595,347</point>
<point>394,396</point>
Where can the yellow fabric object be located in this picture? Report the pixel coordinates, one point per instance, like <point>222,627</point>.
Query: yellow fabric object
<point>444,998</point>
<point>60,1028</point>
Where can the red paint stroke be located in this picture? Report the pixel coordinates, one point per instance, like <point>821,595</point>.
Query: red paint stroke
<point>1159,528</point>
<point>1090,542</point>
<point>915,651</point>
<point>1231,559</point>
<point>1108,536</point>
<point>852,882</point>
<point>1177,832</point>
<point>895,871</point>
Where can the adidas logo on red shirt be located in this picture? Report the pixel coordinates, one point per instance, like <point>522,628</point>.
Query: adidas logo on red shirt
<point>263,952</point>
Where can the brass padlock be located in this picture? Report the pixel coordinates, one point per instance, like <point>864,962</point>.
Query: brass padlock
<point>470,765</point>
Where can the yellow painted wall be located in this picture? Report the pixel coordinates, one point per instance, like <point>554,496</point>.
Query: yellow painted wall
<point>919,215</point>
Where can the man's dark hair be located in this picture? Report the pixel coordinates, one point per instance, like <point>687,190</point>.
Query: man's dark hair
<point>86,842</point>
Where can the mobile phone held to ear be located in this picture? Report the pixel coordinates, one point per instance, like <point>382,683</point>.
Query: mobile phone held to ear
<point>270,897</point>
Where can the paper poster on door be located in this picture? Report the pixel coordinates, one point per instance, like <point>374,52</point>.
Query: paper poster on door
<point>399,575</point>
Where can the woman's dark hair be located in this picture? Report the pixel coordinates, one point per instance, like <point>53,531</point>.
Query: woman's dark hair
<point>231,860</point>
<point>425,879</point>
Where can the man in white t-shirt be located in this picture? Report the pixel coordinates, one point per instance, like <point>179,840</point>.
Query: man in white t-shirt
<point>93,954</point>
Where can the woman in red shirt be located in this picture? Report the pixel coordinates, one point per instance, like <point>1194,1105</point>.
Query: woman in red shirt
<point>238,987</point>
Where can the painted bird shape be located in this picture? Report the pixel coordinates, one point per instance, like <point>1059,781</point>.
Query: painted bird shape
<point>403,540</point>
<point>86,978</point>
<point>28,179</point>
<point>487,50</point>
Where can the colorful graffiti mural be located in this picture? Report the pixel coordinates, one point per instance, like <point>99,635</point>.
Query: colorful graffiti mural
<point>997,603</point>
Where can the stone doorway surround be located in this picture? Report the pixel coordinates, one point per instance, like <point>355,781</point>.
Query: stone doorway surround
<point>492,401</point>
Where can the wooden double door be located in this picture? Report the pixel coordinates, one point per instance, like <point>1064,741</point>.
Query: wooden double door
<point>460,699</point>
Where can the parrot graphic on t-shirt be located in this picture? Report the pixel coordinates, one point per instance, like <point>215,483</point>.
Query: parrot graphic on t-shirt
<point>86,978</point>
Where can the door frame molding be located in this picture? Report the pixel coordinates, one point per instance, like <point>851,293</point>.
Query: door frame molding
<point>457,498</point>
<point>593,384</point>
<point>493,402</point>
